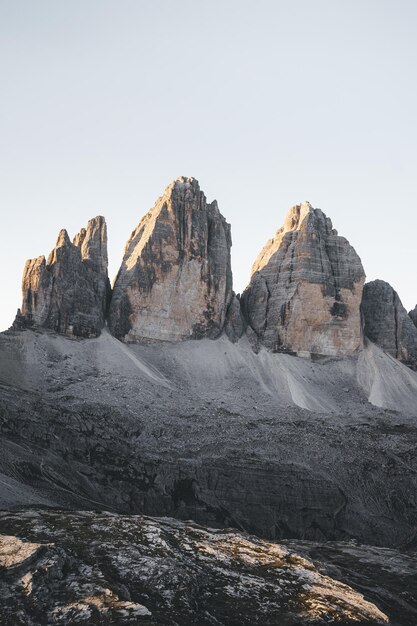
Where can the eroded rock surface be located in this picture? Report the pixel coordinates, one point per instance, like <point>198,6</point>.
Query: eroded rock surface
<point>175,281</point>
<point>413,315</point>
<point>306,287</point>
<point>69,292</point>
<point>387,323</point>
<point>100,568</point>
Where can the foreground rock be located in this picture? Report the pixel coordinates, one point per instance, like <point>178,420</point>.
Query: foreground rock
<point>387,323</point>
<point>69,292</point>
<point>306,287</point>
<point>100,568</point>
<point>175,281</point>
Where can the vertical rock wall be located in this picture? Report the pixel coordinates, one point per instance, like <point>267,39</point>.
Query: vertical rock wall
<point>69,292</point>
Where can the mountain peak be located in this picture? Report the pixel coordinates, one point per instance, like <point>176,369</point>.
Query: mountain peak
<point>305,289</point>
<point>69,293</point>
<point>175,281</point>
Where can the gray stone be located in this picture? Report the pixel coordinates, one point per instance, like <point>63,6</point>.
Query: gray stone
<point>306,286</point>
<point>101,568</point>
<point>69,292</point>
<point>387,323</point>
<point>175,281</point>
<point>413,315</point>
<point>235,324</point>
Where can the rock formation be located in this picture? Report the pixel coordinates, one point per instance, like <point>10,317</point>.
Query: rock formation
<point>175,281</point>
<point>306,287</point>
<point>387,323</point>
<point>99,568</point>
<point>413,315</point>
<point>69,292</point>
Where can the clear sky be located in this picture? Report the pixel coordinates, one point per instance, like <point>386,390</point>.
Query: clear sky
<point>267,103</point>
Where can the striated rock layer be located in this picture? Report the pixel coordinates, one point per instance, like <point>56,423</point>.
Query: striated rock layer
<point>387,323</point>
<point>306,287</point>
<point>69,292</point>
<point>175,281</point>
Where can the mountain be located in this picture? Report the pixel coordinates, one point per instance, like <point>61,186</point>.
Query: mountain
<point>175,281</point>
<point>69,292</point>
<point>306,287</point>
<point>287,420</point>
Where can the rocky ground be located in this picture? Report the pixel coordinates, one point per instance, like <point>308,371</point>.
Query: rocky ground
<point>282,447</point>
<point>101,568</point>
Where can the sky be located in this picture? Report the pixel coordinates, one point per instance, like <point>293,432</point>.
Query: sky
<point>268,103</point>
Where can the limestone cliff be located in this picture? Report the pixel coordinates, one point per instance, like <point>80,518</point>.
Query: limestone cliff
<point>306,287</point>
<point>175,281</point>
<point>387,322</point>
<point>69,291</point>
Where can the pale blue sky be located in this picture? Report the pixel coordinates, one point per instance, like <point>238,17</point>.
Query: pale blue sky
<point>266,103</point>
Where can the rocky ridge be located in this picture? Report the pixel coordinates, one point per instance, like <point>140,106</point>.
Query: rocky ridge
<point>305,290</point>
<point>175,283</point>
<point>69,292</point>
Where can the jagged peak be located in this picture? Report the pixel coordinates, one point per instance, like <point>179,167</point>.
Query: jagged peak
<point>181,181</point>
<point>79,238</point>
<point>294,220</point>
<point>63,239</point>
<point>98,220</point>
<point>180,188</point>
<point>295,217</point>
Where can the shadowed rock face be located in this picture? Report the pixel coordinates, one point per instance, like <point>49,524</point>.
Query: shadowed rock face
<point>387,323</point>
<point>175,281</point>
<point>306,288</point>
<point>413,316</point>
<point>69,292</point>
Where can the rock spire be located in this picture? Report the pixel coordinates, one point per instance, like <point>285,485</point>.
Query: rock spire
<point>175,281</point>
<point>306,287</point>
<point>69,292</point>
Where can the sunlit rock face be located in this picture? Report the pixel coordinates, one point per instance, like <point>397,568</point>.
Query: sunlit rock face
<point>306,287</point>
<point>69,292</point>
<point>175,281</point>
<point>387,323</point>
<point>101,568</point>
